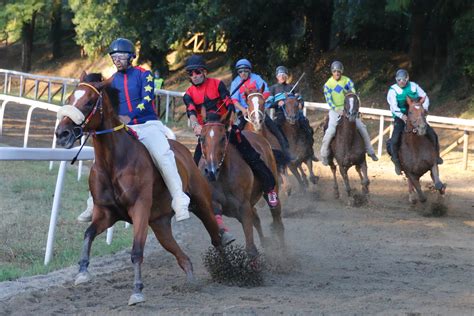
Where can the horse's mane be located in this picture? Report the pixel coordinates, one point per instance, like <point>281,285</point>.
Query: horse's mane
<point>213,118</point>
<point>111,92</point>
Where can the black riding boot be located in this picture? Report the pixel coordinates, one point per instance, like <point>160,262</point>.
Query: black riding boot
<point>431,134</point>
<point>258,166</point>
<point>197,153</point>
<point>395,143</point>
<point>282,140</point>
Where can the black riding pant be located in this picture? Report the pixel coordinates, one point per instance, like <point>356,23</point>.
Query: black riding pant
<point>251,157</point>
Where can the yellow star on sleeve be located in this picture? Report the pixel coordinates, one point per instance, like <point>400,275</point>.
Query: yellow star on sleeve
<point>141,106</point>
<point>147,98</point>
<point>149,78</point>
<point>147,88</point>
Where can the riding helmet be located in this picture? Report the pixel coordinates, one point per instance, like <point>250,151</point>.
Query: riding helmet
<point>122,45</point>
<point>337,66</point>
<point>243,64</point>
<point>281,70</point>
<point>401,74</point>
<point>195,62</point>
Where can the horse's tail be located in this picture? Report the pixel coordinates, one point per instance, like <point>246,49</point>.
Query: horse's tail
<point>281,160</point>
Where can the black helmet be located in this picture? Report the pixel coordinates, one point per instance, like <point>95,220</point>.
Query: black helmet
<point>195,62</point>
<point>281,70</point>
<point>122,45</point>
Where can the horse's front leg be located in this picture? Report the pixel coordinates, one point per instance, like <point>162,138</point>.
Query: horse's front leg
<point>345,177</point>
<point>364,178</point>
<point>334,177</point>
<point>440,186</point>
<point>295,172</point>
<point>312,177</point>
<point>247,225</point>
<point>416,183</point>
<point>140,214</point>
<point>101,220</point>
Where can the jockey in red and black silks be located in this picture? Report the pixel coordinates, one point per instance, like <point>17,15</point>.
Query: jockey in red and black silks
<point>211,95</point>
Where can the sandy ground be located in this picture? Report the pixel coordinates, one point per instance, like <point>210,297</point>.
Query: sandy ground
<point>387,257</point>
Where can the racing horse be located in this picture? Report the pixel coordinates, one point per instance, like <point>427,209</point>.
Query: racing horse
<point>235,188</point>
<point>348,148</point>
<point>417,153</point>
<point>124,181</point>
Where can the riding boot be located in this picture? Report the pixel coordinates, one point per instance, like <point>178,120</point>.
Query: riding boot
<point>431,134</point>
<point>399,126</point>
<point>282,140</point>
<point>197,153</point>
<point>258,166</point>
<point>396,161</point>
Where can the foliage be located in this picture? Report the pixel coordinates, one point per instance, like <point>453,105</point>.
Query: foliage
<point>464,42</point>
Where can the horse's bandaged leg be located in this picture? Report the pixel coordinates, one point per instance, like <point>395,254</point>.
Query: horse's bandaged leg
<point>151,135</point>
<point>330,132</point>
<point>365,136</point>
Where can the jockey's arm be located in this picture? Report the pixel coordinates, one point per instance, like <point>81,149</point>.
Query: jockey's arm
<point>423,98</point>
<point>394,108</point>
<point>328,97</point>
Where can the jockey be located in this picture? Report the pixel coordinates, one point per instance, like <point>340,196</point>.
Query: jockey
<point>253,81</point>
<point>135,93</point>
<point>277,99</point>
<point>334,90</point>
<point>396,98</point>
<point>212,94</point>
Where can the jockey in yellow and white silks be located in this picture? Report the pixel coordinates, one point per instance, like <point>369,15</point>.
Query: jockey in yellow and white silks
<point>334,90</point>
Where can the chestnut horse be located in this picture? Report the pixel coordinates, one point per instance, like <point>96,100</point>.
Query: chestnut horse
<point>348,147</point>
<point>417,153</point>
<point>235,188</point>
<point>125,183</point>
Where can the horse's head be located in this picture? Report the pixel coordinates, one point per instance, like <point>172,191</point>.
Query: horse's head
<point>291,108</point>
<point>351,106</point>
<point>256,107</point>
<point>82,110</point>
<point>214,141</point>
<point>416,122</point>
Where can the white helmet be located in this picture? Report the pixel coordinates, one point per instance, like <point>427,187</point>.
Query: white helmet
<point>337,66</point>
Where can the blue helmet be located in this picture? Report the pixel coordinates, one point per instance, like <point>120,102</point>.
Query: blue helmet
<point>243,63</point>
<point>122,45</point>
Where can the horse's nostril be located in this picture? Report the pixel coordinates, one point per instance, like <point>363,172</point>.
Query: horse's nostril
<point>206,170</point>
<point>64,134</point>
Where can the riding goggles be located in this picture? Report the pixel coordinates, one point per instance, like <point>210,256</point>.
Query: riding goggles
<point>120,56</point>
<point>241,71</point>
<point>194,72</point>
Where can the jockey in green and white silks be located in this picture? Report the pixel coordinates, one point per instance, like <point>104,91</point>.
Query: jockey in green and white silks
<point>396,98</point>
<point>334,91</point>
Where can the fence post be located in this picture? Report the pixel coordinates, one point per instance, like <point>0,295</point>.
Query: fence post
<point>167,107</point>
<point>465,148</point>
<point>49,91</point>
<point>5,83</point>
<point>380,147</point>
<point>54,212</point>
<point>20,94</point>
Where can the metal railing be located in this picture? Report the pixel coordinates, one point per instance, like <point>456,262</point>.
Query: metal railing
<point>36,87</point>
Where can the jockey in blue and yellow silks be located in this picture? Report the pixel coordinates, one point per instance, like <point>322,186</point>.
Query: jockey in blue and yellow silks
<point>396,98</point>
<point>334,93</point>
<point>135,93</point>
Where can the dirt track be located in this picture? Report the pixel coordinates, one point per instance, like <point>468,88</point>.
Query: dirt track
<point>384,258</point>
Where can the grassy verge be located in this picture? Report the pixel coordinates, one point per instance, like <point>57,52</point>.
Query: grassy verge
<point>26,197</point>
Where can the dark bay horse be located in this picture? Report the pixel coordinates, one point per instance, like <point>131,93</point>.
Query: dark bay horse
<point>124,181</point>
<point>235,188</point>
<point>348,147</point>
<point>300,146</point>
<point>417,153</point>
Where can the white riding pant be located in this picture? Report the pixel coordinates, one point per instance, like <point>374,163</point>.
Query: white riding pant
<point>334,118</point>
<point>152,135</point>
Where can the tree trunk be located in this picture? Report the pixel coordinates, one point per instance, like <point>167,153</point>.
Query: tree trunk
<point>318,26</point>
<point>27,35</point>
<point>56,29</point>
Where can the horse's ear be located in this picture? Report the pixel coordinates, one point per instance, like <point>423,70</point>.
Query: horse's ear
<point>246,91</point>
<point>105,83</point>
<point>262,88</point>
<point>409,101</point>
<point>83,76</point>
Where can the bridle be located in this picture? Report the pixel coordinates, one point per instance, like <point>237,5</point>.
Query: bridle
<point>256,111</point>
<point>348,115</point>
<point>225,148</point>
<point>285,112</point>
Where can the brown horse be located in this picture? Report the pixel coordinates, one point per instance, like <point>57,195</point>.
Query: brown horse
<point>235,189</point>
<point>300,146</point>
<point>348,147</point>
<point>124,182</point>
<point>417,153</point>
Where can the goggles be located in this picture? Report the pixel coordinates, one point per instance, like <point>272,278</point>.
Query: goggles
<point>245,70</point>
<point>404,80</point>
<point>120,56</point>
<point>194,72</point>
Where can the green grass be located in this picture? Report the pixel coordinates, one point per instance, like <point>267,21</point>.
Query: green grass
<point>26,197</point>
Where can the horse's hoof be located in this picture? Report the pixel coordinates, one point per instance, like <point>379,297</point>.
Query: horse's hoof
<point>439,186</point>
<point>136,298</point>
<point>82,277</point>
<point>314,180</point>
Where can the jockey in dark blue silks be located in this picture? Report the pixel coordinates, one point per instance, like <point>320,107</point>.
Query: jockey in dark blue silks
<point>211,95</point>
<point>253,81</point>
<point>135,93</point>
<point>277,98</point>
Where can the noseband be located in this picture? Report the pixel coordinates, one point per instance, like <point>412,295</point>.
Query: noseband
<point>346,113</point>
<point>256,111</point>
